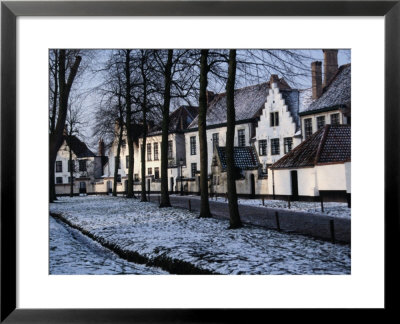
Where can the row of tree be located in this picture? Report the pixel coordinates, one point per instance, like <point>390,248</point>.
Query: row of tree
<point>139,86</point>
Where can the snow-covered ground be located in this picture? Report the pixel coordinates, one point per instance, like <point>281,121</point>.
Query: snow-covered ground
<point>334,209</point>
<point>71,252</point>
<point>206,243</point>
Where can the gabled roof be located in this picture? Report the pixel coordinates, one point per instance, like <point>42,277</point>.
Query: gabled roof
<point>249,102</point>
<point>78,147</point>
<point>245,157</point>
<point>330,144</point>
<point>337,94</point>
<point>179,120</point>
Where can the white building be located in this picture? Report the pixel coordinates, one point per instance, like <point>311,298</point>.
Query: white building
<point>86,166</point>
<point>319,167</point>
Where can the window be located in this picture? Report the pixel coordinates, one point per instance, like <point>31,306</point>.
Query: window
<point>127,161</point>
<point>274,119</point>
<point>194,169</point>
<point>335,119</point>
<point>262,147</point>
<point>275,146</point>
<point>308,127</point>
<point>149,171</point>
<point>241,138</point>
<point>118,178</point>
<point>136,177</point>
<point>288,144</point>
<point>82,165</point>
<point>123,143</point>
<point>215,140</point>
<point>59,180</point>
<point>320,122</point>
<point>69,179</point>
<point>157,173</point>
<point>170,150</point>
<point>155,151</point>
<point>71,166</point>
<point>193,145</point>
<point>58,166</point>
<point>149,152</point>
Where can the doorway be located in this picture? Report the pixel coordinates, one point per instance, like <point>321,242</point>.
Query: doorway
<point>295,185</point>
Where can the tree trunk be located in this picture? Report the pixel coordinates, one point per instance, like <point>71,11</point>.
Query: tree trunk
<point>129,122</point>
<point>143,151</point>
<point>117,159</point>
<point>205,206</point>
<point>56,137</point>
<point>165,202</point>
<point>234,218</point>
<point>71,171</point>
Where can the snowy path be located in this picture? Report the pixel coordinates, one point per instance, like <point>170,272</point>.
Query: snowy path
<point>73,253</point>
<point>177,234</point>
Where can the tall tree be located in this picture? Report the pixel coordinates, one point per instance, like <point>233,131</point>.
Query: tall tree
<point>64,89</point>
<point>234,218</point>
<point>204,68</point>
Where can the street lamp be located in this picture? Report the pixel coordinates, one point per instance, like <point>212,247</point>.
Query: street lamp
<point>181,164</point>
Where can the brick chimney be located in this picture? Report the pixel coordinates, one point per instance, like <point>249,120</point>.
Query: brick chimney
<point>330,64</point>
<point>274,79</point>
<point>210,96</point>
<point>101,148</point>
<point>316,78</point>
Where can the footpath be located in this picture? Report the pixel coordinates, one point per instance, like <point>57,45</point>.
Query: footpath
<point>319,226</point>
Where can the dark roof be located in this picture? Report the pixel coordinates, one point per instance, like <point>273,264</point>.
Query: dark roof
<point>179,120</point>
<point>330,144</point>
<point>245,157</point>
<point>336,94</point>
<point>249,102</point>
<point>78,147</point>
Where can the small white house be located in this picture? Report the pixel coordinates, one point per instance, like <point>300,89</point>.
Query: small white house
<point>319,167</point>
<point>86,167</point>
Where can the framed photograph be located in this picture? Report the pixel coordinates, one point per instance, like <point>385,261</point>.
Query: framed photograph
<point>357,38</point>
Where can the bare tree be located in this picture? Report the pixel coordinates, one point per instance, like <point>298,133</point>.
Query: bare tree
<point>61,90</point>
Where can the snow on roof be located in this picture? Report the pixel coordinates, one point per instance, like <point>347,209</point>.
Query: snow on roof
<point>78,147</point>
<point>305,99</point>
<point>330,144</point>
<point>336,94</point>
<point>249,101</point>
<point>245,157</point>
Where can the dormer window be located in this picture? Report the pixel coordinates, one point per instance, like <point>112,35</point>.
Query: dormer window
<point>274,119</point>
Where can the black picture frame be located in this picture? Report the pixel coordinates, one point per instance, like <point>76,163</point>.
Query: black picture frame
<point>11,10</point>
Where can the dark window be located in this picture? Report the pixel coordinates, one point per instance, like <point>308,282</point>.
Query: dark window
<point>170,150</point>
<point>241,138</point>
<point>118,178</point>
<point>59,180</point>
<point>58,166</point>
<point>127,161</point>
<point>155,151</point>
<point>71,166</point>
<point>320,122</point>
<point>275,146</point>
<point>82,165</point>
<point>119,162</point>
<point>215,140</point>
<point>193,145</point>
<point>308,127</point>
<point>149,152</point>
<point>335,119</point>
<point>288,144</point>
<point>274,119</point>
<point>69,179</point>
<point>157,173</point>
<point>194,169</point>
<point>123,143</point>
<point>262,147</point>
<point>149,171</point>
<point>136,177</point>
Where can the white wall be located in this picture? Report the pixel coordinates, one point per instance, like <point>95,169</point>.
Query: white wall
<point>286,128</point>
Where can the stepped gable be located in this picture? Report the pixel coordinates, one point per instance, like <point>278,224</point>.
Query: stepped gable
<point>330,144</point>
<point>78,147</point>
<point>249,102</point>
<point>245,157</point>
<point>336,94</point>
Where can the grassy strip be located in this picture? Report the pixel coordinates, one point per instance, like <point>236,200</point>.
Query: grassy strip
<point>173,266</point>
